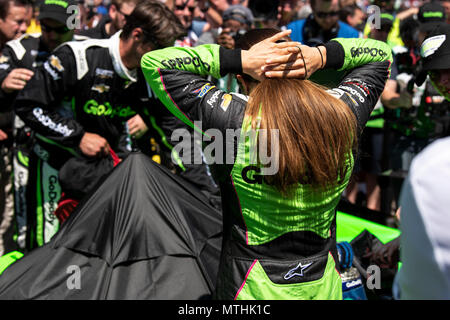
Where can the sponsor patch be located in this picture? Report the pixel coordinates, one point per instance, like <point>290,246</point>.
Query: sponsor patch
<point>431,45</point>
<point>56,63</point>
<point>214,98</point>
<point>356,52</point>
<point>104,73</point>
<point>49,123</point>
<point>203,90</point>
<point>101,88</point>
<point>354,92</point>
<point>337,93</point>
<point>226,100</point>
<point>297,271</point>
<point>182,62</point>
<point>51,71</point>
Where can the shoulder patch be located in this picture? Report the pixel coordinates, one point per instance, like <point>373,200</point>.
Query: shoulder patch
<point>241,96</point>
<point>79,50</point>
<point>17,46</point>
<point>337,93</point>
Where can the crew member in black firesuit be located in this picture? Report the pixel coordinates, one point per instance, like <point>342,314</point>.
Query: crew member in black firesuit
<point>100,80</point>
<point>152,133</point>
<point>19,58</point>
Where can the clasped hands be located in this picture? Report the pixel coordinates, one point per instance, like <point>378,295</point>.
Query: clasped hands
<point>271,58</point>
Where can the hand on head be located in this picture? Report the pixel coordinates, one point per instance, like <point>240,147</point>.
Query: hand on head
<point>271,58</point>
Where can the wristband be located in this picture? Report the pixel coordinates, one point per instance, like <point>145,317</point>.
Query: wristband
<point>321,56</point>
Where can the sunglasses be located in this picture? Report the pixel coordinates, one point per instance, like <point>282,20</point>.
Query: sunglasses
<point>323,15</point>
<point>183,6</point>
<point>58,30</point>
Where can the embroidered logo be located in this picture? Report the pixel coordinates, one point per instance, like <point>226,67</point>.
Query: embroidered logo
<point>100,88</point>
<point>297,271</point>
<point>56,63</point>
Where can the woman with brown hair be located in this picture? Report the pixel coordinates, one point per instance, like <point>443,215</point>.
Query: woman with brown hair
<point>283,173</point>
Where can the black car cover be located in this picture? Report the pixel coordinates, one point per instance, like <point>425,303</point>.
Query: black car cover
<point>143,234</point>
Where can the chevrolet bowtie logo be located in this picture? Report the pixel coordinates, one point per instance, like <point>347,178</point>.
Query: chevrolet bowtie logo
<point>100,88</point>
<point>54,61</point>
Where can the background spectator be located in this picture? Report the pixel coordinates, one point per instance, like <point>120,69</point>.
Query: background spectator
<point>322,25</point>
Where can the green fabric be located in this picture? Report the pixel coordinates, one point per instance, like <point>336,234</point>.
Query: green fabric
<point>379,121</point>
<point>39,207</point>
<point>358,53</point>
<point>349,227</point>
<point>8,259</point>
<point>393,38</point>
<point>258,286</point>
<point>23,159</point>
<point>202,60</point>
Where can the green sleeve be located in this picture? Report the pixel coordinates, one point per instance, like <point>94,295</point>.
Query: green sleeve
<point>359,52</point>
<point>202,60</point>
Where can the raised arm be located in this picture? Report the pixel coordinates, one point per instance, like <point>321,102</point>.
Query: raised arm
<point>368,63</point>
<point>175,74</point>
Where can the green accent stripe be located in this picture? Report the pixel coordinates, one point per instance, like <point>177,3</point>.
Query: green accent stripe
<point>49,141</point>
<point>39,212</point>
<point>23,159</point>
<point>8,259</point>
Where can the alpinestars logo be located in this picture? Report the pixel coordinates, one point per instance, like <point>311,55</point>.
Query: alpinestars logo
<point>297,271</point>
<point>48,122</point>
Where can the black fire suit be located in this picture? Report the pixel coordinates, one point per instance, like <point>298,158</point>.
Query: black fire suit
<point>103,95</point>
<point>81,87</point>
<point>30,52</point>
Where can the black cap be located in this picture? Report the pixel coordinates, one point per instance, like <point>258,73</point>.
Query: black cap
<point>57,10</point>
<point>435,52</point>
<point>386,21</point>
<point>430,15</point>
<point>239,13</point>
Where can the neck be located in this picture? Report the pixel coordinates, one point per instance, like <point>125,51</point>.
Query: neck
<point>127,54</point>
<point>110,29</point>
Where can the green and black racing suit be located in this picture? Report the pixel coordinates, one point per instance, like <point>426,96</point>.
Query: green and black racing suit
<point>274,248</point>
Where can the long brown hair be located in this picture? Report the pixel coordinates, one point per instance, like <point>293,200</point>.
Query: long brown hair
<point>317,132</point>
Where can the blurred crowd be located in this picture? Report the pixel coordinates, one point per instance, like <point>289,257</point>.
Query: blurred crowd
<point>407,118</point>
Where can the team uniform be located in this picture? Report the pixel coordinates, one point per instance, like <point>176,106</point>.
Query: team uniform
<point>30,52</point>
<point>274,248</point>
<point>81,87</point>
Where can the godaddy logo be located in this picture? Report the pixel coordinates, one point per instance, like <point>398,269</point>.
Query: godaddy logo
<point>431,14</point>
<point>96,109</point>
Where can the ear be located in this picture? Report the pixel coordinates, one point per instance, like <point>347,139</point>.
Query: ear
<point>112,11</point>
<point>137,34</point>
<point>243,84</point>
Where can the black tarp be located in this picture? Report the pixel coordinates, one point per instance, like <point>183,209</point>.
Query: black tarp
<point>143,234</point>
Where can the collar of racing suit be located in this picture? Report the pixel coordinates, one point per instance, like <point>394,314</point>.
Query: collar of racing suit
<point>119,67</point>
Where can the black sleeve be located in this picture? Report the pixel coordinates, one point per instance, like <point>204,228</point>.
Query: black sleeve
<point>8,62</point>
<point>37,104</point>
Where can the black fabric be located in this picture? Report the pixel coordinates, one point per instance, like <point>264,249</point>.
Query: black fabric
<point>143,234</point>
<point>230,61</point>
<point>99,32</point>
<point>79,175</point>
